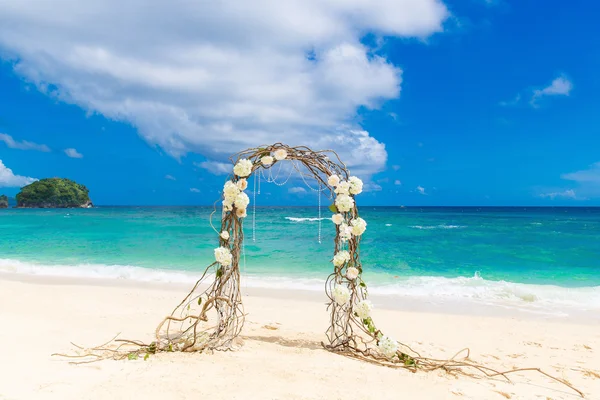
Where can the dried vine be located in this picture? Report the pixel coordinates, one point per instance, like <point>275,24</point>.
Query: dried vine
<point>216,296</point>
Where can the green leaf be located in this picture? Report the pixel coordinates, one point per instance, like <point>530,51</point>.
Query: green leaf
<point>170,347</point>
<point>132,356</point>
<point>147,356</point>
<point>363,284</point>
<point>219,272</point>
<point>333,208</point>
<point>200,300</point>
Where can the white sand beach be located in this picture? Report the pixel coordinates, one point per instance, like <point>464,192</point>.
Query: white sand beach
<point>281,358</point>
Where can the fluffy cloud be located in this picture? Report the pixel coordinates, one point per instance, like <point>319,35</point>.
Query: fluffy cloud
<point>590,176</point>
<point>397,182</point>
<point>73,153</point>
<point>216,77</point>
<point>9,179</point>
<point>170,177</point>
<point>586,182</point>
<point>560,86</point>
<point>24,145</point>
<point>194,190</point>
<point>421,190</point>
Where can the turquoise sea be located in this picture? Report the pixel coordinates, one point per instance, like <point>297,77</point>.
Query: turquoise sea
<point>541,257</point>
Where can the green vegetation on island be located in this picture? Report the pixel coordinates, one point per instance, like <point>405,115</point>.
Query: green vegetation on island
<point>54,193</point>
<point>3,201</point>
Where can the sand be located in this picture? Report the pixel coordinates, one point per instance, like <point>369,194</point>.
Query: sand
<point>281,358</point>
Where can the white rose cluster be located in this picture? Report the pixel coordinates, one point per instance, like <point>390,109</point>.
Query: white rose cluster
<point>266,160</point>
<point>359,226</point>
<point>363,309</point>
<point>280,154</point>
<point>356,185</point>
<point>352,186</point>
<point>341,294</point>
<point>388,346</point>
<point>337,218</point>
<point>345,232</point>
<point>223,256</point>
<point>243,168</point>
<point>340,258</point>
<point>352,273</point>
<point>344,203</point>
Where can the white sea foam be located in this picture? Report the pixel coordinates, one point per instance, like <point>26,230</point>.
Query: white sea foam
<point>473,288</point>
<point>428,227</point>
<point>296,219</point>
<point>487,291</point>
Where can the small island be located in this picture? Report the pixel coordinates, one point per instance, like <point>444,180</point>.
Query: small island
<point>3,201</point>
<point>54,193</point>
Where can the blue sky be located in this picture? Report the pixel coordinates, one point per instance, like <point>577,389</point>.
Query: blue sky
<point>455,103</point>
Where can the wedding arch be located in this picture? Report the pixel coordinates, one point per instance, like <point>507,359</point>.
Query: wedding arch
<point>351,329</point>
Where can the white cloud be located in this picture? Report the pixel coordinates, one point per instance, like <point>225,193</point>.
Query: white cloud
<point>23,145</point>
<point>421,189</point>
<point>194,190</point>
<point>216,77</point>
<point>560,86</point>
<point>397,182</point>
<point>170,177</point>
<point>395,167</point>
<point>215,167</point>
<point>567,194</point>
<point>73,153</point>
<point>586,182</point>
<point>297,190</point>
<point>587,176</point>
<point>9,179</point>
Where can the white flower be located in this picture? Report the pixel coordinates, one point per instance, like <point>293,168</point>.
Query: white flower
<point>230,190</point>
<point>337,218</point>
<point>359,226</point>
<point>280,154</point>
<point>267,160</point>
<point>343,187</point>
<point>241,200</point>
<point>340,258</point>
<point>224,235</point>
<point>241,212</point>
<point>243,168</point>
<point>351,273</point>
<point>388,346</point>
<point>344,203</point>
<point>363,309</point>
<point>345,232</point>
<point>333,180</point>
<point>223,256</point>
<point>341,294</point>
<point>228,204</point>
<point>242,184</point>
<point>356,185</point>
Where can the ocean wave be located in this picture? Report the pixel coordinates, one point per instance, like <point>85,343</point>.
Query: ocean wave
<point>442,226</point>
<point>296,219</point>
<point>474,288</point>
<point>498,292</point>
